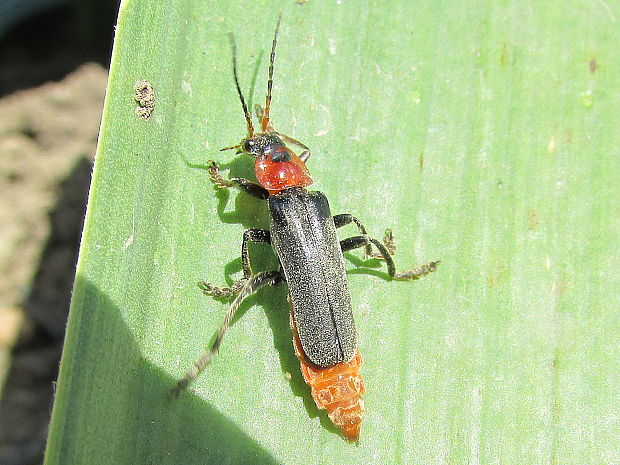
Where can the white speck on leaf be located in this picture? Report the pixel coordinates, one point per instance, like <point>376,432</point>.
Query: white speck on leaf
<point>128,242</point>
<point>332,46</point>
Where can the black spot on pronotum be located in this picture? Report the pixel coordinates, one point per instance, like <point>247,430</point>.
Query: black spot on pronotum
<point>145,96</point>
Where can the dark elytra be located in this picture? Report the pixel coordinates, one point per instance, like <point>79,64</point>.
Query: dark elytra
<point>303,235</point>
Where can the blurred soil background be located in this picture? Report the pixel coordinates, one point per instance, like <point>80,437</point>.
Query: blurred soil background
<point>54,56</point>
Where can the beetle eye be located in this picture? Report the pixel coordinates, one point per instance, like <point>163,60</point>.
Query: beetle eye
<point>248,145</point>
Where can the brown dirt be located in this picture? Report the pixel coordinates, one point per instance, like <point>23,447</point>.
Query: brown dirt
<point>48,137</point>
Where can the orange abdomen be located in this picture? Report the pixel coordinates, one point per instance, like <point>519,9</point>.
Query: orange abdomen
<point>337,389</point>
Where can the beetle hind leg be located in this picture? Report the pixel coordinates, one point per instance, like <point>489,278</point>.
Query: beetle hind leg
<point>251,285</point>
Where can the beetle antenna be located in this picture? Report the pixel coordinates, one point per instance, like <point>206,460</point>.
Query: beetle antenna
<point>265,122</point>
<point>248,118</point>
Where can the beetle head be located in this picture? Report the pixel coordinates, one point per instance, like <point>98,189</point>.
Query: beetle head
<point>261,144</point>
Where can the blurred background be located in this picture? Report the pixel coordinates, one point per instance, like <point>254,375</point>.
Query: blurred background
<point>54,56</point>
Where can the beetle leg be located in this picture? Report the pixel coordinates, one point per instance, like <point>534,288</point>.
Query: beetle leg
<point>388,241</point>
<point>346,218</point>
<point>418,272</point>
<point>388,238</point>
<point>250,235</point>
<point>366,241</point>
<point>305,154</point>
<point>252,285</point>
<point>252,188</point>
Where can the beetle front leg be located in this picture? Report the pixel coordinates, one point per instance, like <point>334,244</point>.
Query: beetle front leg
<point>251,235</point>
<point>251,285</point>
<point>366,241</point>
<point>252,188</point>
<point>304,155</point>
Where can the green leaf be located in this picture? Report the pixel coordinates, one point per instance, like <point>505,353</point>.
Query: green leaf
<point>485,134</point>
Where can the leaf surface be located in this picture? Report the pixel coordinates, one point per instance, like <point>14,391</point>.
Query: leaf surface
<point>485,134</point>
